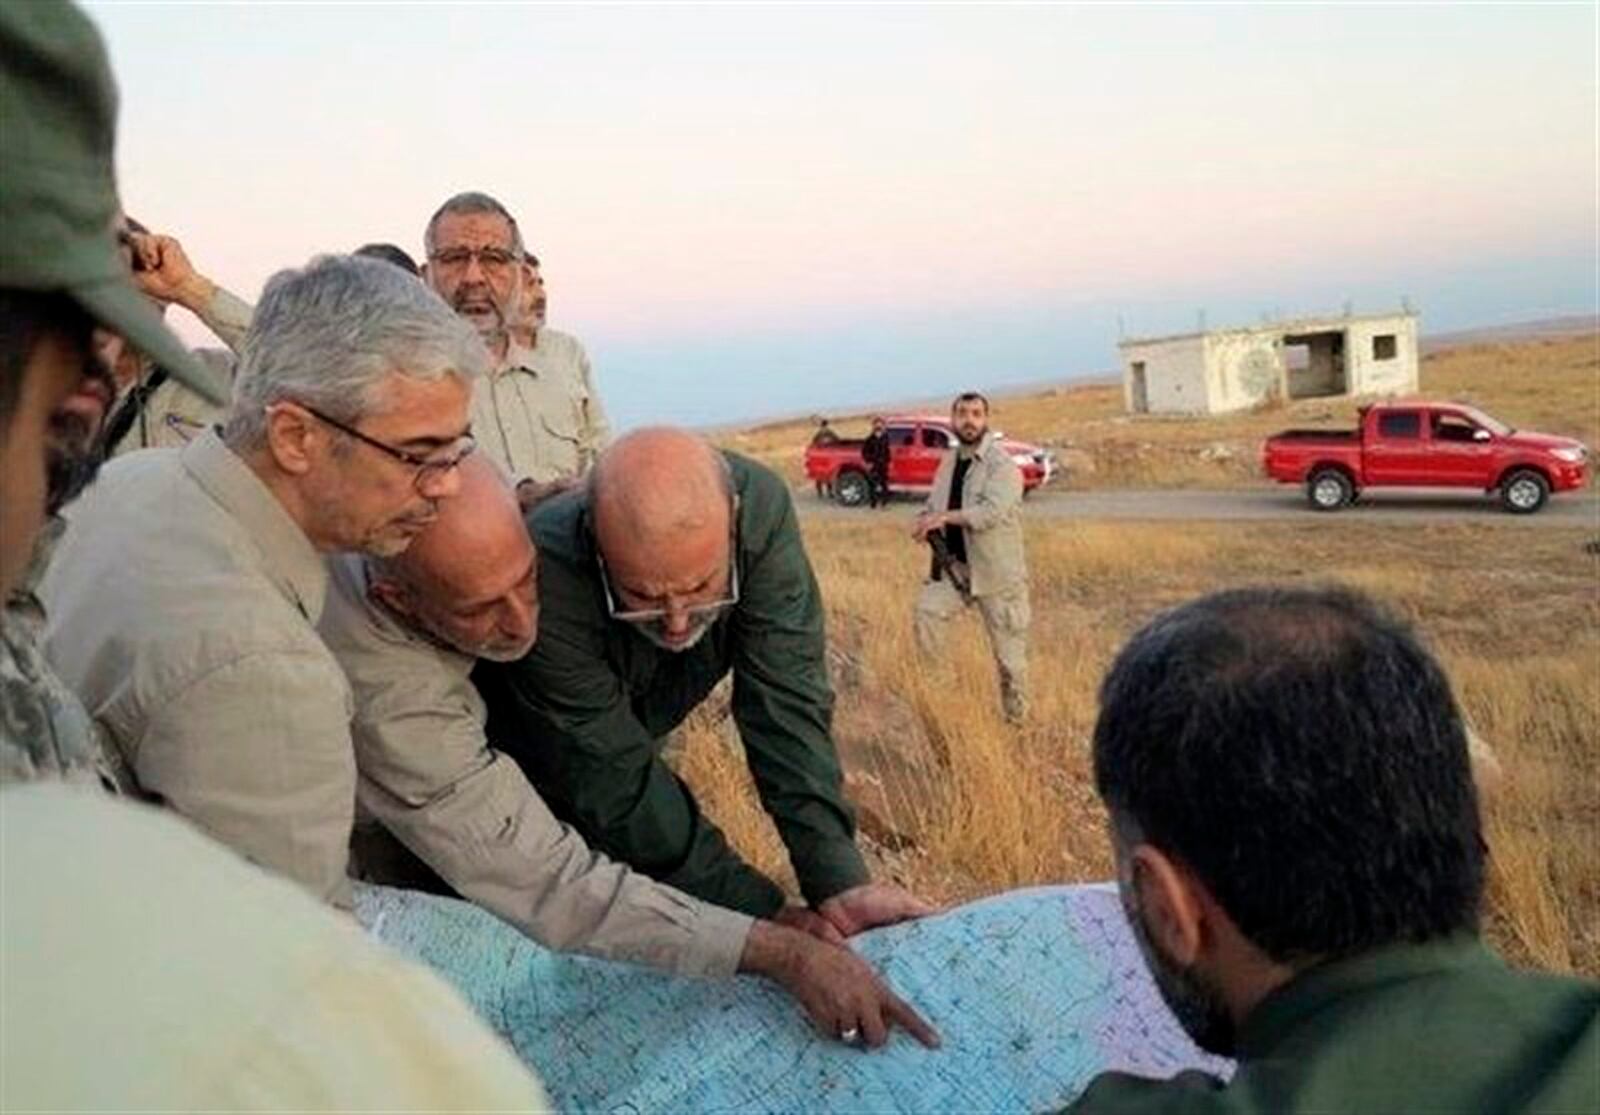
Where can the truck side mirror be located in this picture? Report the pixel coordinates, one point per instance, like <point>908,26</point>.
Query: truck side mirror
<point>1481,435</point>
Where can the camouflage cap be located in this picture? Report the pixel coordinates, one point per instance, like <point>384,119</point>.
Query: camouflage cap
<point>58,193</point>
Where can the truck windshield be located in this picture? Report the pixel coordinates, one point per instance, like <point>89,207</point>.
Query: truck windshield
<point>1493,425</point>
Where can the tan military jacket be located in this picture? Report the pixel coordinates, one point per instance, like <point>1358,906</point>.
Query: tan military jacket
<point>426,772</point>
<point>991,503</point>
<point>150,969</point>
<point>182,605</point>
<point>539,414</point>
<point>173,415</point>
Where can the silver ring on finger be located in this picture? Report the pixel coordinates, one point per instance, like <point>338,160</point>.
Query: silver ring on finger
<point>849,1034</point>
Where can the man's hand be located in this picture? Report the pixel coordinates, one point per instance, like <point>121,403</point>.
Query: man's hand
<point>873,904</point>
<point>926,522</point>
<point>844,997</point>
<point>807,920</point>
<point>163,271</point>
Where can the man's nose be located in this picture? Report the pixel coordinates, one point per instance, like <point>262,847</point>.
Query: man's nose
<point>473,272</point>
<point>676,620</point>
<point>520,618</point>
<point>440,483</point>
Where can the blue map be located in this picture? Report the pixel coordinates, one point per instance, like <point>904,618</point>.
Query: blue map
<point>1034,993</point>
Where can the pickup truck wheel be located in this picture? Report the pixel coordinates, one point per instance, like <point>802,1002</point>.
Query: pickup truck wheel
<point>1329,489</point>
<point>852,488</point>
<point>1524,492</point>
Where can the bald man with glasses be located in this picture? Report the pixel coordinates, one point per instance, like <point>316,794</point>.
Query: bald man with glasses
<point>675,566</point>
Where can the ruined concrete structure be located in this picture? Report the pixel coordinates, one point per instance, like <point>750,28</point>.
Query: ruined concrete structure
<point>1222,370</point>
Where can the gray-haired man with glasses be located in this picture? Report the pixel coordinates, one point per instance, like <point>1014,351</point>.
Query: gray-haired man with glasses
<point>185,596</point>
<point>537,412</point>
<point>674,567</point>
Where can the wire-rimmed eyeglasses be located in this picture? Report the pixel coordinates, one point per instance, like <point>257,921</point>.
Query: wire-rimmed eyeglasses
<point>428,469</point>
<point>703,611</point>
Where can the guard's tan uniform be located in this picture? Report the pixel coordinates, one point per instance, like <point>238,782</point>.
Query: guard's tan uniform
<point>183,604</point>
<point>173,415</point>
<point>427,773</point>
<point>149,969</point>
<point>991,503</point>
<point>538,413</point>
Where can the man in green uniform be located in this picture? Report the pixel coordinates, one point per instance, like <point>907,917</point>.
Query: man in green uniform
<point>61,275</point>
<point>673,567</point>
<point>1299,851</point>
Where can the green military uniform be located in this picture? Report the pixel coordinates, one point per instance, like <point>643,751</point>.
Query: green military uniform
<point>586,713</point>
<point>44,730</point>
<point>1443,1027</point>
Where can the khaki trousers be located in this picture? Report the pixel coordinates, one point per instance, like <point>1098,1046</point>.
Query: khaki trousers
<point>1006,617</point>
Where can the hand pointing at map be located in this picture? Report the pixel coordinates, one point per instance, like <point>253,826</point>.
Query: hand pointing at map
<point>840,992</point>
<point>871,905</point>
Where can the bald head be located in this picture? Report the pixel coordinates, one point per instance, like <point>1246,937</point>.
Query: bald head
<point>468,579</point>
<point>662,500</point>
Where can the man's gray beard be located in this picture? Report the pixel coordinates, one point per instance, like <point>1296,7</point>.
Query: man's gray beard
<point>1198,1008</point>
<point>72,460</point>
<point>650,631</point>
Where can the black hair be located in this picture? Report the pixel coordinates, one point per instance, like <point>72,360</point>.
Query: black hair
<point>1302,753</point>
<point>971,397</point>
<point>26,316</point>
<point>390,253</point>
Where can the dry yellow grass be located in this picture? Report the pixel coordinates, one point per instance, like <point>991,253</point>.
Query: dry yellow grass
<point>1550,385</point>
<point>1514,614</point>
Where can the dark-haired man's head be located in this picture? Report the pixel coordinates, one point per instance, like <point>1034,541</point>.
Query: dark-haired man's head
<point>390,253</point>
<point>969,415</point>
<point>475,262</point>
<point>49,379</point>
<point>1287,776</point>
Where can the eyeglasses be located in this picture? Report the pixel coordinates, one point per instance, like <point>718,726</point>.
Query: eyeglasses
<point>496,260</point>
<point>702,612</point>
<point>429,469</point>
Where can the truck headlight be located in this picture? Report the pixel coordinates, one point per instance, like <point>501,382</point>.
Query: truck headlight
<point>1572,454</point>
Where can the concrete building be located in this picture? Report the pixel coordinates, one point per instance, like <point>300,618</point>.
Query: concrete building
<point>1222,370</point>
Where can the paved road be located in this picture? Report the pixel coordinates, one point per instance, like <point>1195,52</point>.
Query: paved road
<point>1574,511</point>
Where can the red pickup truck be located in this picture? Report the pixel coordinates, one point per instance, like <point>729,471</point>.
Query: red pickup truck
<point>1426,445</point>
<point>916,445</point>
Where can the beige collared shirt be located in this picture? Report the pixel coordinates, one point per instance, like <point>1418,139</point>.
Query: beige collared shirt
<point>426,772</point>
<point>991,504</point>
<point>538,413</point>
<point>182,604</point>
<point>150,969</point>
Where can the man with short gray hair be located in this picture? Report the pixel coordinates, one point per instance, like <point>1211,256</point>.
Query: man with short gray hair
<point>187,589</point>
<point>537,412</point>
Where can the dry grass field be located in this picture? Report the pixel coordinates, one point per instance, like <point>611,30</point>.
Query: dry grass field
<point>1552,385</point>
<point>962,806</point>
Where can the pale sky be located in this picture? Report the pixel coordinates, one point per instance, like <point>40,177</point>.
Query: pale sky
<point>747,210</point>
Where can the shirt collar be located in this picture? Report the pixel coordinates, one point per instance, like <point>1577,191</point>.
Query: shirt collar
<point>518,359</point>
<point>288,557</point>
<point>1312,991</point>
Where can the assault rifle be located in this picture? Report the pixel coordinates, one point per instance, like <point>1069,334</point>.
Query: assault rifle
<point>945,564</point>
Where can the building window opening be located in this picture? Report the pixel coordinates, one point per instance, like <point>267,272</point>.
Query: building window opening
<point>1384,347</point>
<point>1314,364</point>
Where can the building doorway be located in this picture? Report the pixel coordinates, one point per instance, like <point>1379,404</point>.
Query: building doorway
<point>1315,364</point>
<point>1141,390</point>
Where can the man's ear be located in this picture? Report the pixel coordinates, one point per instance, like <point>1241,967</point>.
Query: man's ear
<point>291,436</point>
<point>1171,903</point>
<point>392,594</point>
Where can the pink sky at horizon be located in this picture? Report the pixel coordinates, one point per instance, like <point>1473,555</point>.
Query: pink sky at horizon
<point>689,172</point>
